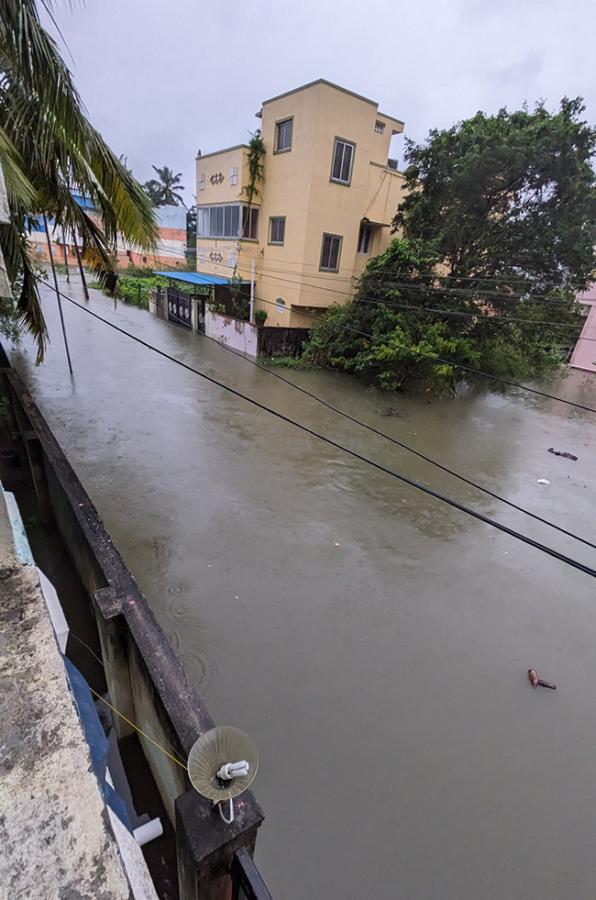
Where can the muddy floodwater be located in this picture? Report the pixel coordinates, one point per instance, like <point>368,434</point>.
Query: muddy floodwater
<point>374,641</point>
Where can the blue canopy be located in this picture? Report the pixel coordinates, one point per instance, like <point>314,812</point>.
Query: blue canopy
<point>197,277</point>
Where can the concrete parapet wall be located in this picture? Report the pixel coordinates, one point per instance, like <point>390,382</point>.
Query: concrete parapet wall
<point>145,679</point>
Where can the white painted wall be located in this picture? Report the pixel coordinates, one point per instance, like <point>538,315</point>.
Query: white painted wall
<point>233,332</point>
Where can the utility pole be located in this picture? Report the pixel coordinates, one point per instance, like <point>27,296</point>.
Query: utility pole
<point>80,262</point>
<point>252,290</point>
<point>65,256</point>
<point>56,288</point>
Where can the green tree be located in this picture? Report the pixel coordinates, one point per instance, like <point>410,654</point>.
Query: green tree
<point>165,189</point>
<point>508,196</point>
<point>397,333</point>
<point>48,148</point>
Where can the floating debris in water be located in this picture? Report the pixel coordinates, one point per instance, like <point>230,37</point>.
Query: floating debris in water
<point>536,681</point>
<point>563,453</point>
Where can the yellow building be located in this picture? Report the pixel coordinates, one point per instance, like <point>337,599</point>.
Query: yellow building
<point>324,206</point>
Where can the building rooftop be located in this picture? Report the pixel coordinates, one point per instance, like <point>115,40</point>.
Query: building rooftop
<point>336,87</point>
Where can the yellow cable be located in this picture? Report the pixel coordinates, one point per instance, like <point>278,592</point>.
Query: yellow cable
<point>136,727</point>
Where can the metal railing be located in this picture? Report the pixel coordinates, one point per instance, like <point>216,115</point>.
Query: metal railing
<point>247,883</point>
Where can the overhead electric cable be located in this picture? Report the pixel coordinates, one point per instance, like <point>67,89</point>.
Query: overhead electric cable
<point>455,504</point>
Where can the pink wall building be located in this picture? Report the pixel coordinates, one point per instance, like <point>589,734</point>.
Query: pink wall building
<point>584,355</point>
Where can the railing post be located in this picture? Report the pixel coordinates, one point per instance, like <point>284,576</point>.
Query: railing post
<point>112,638</point>
<point>206,845</point>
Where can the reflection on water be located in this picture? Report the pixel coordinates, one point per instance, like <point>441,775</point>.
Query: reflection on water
<point>353,625</point>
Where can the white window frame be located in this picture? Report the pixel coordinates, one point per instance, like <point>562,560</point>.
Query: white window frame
<point>364,227</point>
<point>251,213</point>
<point>289,120</point>
<point>234,176</point>
<point>340,145</point>
<point>273,219</point>
<point>338,237</point>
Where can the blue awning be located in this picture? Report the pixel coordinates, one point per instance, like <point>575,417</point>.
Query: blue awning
<point>197,278</point>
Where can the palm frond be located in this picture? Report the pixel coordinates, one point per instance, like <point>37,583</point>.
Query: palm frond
<point>48,148</point>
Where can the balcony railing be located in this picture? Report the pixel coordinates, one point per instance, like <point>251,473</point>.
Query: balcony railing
<point>247,883</point>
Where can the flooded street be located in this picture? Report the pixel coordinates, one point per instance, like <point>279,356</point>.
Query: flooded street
<point>371,639</point>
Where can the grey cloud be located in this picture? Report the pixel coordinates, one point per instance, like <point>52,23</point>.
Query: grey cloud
<point>161,80</point>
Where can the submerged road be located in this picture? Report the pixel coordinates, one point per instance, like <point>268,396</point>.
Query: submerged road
<point>373,641</point>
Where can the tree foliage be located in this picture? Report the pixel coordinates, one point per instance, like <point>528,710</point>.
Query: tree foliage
<point>396,333</point>
<point>511,195</point>
<point>499,227</point>
<point>256,167</point>
<point>48,148</point>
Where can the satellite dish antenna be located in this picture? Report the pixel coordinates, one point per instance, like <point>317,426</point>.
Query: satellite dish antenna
<point>222,763</point>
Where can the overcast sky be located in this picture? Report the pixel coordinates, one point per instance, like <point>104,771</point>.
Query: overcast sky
<point>162,79</point>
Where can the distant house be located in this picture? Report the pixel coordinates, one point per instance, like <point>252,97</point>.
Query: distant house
<point>171,246</point>
<point>584,354</point>
<point>324,206</point>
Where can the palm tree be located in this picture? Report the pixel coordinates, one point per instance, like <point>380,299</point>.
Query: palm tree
<point>48,149</point>
<point>165,188</point>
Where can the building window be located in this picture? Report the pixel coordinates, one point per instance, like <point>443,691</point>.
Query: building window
<point>330,251</point>
<point>224,221</point>
<point>379,127</point>
<point>280,305</point>
<point>201,255</point>
<point>343,158</point>
<point>277,229</point>
<point>232,259</point>
<point>202,183</point>
<point>234,176</point>
<point>283,135</point>
<point>250,222</point>
<point>364,238</point>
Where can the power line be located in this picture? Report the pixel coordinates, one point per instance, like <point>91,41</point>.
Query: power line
<point>438,360</point>
<point>415,287</point>
<point>393,440</point>
<point>496,319</point>
<point>442,360</point>
<point>463,314</point>
<point>550,551</point>
<point>386,281</point>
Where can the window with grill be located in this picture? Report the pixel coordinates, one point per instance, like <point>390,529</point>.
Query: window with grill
<point>330,252</point>
<point>364,238</point>
<point>283,135</point>
<point>234,176</point>
<point>250,222</point>
<point>277,229</point>
<point>379,127</point>
<point>202,183</point>
<point>343,159</point>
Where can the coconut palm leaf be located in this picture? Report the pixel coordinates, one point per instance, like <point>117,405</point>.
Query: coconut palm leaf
<point>47,149</point>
